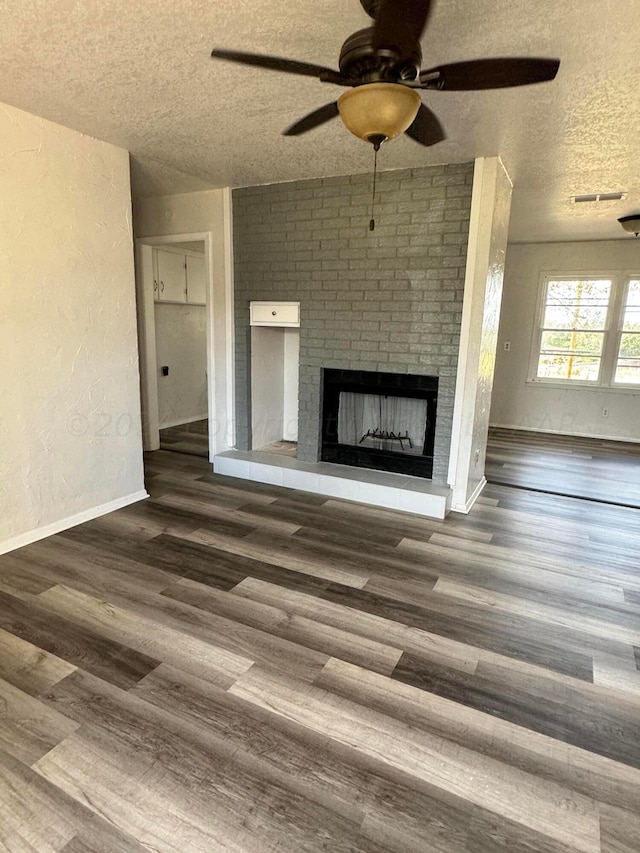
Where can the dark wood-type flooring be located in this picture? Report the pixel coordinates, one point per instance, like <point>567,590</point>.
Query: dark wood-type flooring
<point>231,666</point>
<point>588,468</point>
<point>192,438</point>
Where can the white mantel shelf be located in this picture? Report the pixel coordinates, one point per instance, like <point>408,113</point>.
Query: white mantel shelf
<point>362,485</point>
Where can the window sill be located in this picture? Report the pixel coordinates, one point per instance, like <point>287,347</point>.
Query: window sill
<point>576,386</point>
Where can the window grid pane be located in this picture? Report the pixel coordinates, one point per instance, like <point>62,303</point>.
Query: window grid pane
<point>568,367</point>
<point>628,363</point>
<point>577,304</point>
<point>627,372</point>
<point>573,329</point>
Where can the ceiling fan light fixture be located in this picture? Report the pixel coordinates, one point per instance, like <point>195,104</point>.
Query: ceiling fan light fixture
<point>379,110</point>
<point>631,223</point>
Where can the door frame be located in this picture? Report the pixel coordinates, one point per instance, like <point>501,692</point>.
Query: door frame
<point>144,247</point>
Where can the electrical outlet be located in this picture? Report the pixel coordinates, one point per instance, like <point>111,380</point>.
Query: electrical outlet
<point>507,346</point>
<point>605,413</point>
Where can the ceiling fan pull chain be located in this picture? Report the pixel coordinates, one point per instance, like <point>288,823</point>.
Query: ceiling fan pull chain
<point>372,222</point>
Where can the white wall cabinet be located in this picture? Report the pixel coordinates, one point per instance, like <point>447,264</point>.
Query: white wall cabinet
<point>170,284</point>
<point>179,277</point>
<point>275,314</point>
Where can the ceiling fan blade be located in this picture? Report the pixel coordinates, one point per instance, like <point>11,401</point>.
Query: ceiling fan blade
<point>277,63</point>
<point>489,74</point>
<point>399,25</point>
<point>426,128</point>
<point>314,119</point>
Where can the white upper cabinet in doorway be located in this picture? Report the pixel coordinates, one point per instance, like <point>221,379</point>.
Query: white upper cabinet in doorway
<point>179,276</point>
<point>170,283</point>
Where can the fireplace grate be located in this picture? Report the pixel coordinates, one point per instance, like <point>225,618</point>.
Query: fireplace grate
<point>387,436</point>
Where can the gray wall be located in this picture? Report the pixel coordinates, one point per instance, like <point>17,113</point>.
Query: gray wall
<point>388,300</point>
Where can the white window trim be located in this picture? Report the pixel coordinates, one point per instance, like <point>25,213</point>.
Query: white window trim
<point>612,333</point>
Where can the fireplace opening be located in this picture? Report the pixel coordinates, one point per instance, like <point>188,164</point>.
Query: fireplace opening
<point>384,421</point>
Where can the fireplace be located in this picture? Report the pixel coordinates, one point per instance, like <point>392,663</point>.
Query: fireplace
<point>384,421</point>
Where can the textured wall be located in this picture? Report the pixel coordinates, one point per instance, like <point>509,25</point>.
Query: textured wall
<point>181,344</point>
<point>389,300</point>
<point>573,411</point>
<point>69,393</point>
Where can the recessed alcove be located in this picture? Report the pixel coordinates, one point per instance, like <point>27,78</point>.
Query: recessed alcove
<point>274,388</point>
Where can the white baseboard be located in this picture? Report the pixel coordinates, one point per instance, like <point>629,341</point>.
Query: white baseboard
<point>465,508</point>
<point>71,521</point>
<point>182,422</point>
<point>520,428</point>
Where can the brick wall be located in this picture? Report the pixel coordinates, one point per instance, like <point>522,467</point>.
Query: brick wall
<point>388,300</point>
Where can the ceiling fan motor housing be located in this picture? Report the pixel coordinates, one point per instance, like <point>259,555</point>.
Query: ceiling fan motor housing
<point>380,67</point>
<point>371,7</point>
<point>360,61</point>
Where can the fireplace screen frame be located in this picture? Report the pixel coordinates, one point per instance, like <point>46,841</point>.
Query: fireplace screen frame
<point>408,385</point>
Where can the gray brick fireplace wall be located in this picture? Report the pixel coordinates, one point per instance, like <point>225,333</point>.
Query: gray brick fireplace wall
<point>388,300</point>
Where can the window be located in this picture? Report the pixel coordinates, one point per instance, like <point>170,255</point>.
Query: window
<point>589,331</point>
<point>628,362</point>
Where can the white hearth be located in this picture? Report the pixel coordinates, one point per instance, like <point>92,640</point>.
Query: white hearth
<point>362,485</point>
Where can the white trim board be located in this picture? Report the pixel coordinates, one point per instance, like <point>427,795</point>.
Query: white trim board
<point>520,428</point>
<point>229,319</point>
<point>72,521</point>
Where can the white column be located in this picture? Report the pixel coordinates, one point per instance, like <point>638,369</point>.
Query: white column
<point>488,233</point>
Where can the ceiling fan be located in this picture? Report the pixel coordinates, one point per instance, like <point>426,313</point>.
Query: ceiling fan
<point>381,66</point>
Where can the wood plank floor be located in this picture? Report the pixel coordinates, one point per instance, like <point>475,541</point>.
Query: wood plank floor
<point>231,666</point>
<point>191,438</point>
<point>588,468</point>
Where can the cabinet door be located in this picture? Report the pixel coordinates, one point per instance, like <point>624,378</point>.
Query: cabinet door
<point>196,280</point>
<point>172,282</point>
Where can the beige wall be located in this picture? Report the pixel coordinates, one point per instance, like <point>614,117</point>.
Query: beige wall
<point>181,345</point>
<point>525,405</point>
<point>70,443</point>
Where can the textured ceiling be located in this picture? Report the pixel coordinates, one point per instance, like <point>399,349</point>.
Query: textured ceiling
<point>138,74</point>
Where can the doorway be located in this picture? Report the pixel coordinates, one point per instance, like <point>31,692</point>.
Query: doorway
<point>181,347</point>
<point>175,327</point>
